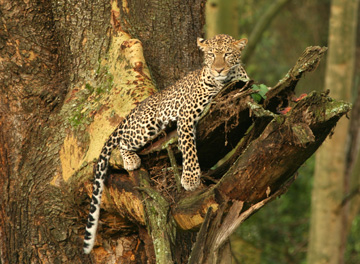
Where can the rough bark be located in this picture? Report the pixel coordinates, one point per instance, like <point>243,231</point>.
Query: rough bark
<point>70,73</point>
<point>32,213</point>
<point>68,76</point>
<point>168,32</point>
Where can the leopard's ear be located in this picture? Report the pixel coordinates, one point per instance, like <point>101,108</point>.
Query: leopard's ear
<point>201,43</point>
<point>240,44</point>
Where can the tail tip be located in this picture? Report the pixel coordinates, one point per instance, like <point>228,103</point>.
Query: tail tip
<point>87,248</point>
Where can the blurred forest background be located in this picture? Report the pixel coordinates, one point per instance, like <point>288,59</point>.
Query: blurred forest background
<point>59,61</point>
<point>281,30</point>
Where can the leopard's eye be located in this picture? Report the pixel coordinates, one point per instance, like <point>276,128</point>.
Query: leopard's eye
<point>227,55</point>
<point>211,55</point>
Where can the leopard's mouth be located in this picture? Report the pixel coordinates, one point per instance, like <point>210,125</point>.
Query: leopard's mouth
<point>220,76</point>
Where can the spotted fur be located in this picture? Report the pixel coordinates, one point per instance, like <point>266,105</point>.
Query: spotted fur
<point>182,102</point>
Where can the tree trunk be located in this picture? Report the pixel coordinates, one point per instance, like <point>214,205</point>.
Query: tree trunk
<point>70,73</point>
<point>222,17</point>
<point>330,184</point>
<point>353,155</point>
<point>65,84</point>
<point>170,54</point>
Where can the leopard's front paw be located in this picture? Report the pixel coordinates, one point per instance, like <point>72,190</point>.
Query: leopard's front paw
<point>190,180</point>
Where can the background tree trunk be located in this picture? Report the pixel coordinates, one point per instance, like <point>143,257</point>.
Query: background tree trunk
<point>222,17</point>
<point>331,185</point>
<point>353,156</point>
<point>70,72</point>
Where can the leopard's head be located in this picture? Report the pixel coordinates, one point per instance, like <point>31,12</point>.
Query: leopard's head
<point>222,53</point>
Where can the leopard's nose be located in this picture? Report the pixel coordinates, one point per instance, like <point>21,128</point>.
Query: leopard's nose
<point>219,70</point>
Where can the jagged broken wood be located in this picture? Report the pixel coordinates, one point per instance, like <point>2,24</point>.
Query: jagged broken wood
<point>248,153</point>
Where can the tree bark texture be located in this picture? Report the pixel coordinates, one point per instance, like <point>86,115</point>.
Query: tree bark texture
<point>70,73</point>
<point>68,76</point>
<point>168,31</point>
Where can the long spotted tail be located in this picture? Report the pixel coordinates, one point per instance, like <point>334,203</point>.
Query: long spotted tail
<point>98,186</point>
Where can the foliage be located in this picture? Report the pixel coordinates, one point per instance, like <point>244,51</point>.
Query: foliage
<point>299,24</point>
<point>352,254</point>
<point>261,89</point>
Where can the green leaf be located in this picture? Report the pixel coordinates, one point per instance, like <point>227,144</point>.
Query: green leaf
<point>261,90</point>
<point>256,97</point>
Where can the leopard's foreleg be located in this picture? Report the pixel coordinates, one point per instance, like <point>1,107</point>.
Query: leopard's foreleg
<point>191,173</point>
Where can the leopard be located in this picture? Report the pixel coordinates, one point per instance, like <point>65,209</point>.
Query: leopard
<point>183,103</point>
